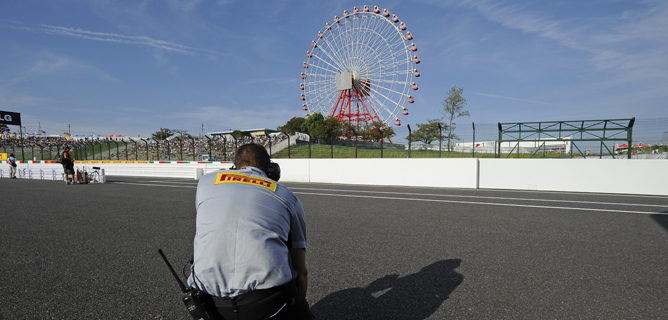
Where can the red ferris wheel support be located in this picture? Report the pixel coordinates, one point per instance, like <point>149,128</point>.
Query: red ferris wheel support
<point>353,108</point>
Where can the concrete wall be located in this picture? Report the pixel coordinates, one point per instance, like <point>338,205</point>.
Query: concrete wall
<point>634,176</point>
<point>638,176</point>
<point>129,168</point>
<point>452,173</point>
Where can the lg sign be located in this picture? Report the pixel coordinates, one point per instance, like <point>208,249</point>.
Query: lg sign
<point>8,118</point>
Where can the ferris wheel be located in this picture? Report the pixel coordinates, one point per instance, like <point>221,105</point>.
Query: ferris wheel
<point>361,68</point>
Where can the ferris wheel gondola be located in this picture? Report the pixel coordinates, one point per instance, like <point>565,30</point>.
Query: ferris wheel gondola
<point>361,68</point>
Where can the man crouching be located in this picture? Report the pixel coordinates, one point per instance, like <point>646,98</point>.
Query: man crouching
<point>250,242</point>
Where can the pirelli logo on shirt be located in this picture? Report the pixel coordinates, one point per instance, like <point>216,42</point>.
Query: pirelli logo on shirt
<point>229,177</point>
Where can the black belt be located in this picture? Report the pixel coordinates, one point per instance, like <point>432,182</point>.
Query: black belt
<point>257,304</point>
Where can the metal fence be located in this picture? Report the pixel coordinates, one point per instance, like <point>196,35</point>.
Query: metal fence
<point>473,140</point>
<point>177,149</point>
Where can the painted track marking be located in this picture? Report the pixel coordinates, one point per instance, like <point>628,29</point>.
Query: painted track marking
<point>480,203</point>
<point>436,200</point>
<point>484,197</point>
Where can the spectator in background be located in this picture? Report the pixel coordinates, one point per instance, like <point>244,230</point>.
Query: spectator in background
<point>12,166</point>
<point>68,166</point>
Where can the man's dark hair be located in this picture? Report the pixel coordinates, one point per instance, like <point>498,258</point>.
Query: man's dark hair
<point>252,155</point>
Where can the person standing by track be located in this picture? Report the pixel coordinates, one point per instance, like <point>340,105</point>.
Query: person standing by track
<point>12,166</point>
<point>68,166</point>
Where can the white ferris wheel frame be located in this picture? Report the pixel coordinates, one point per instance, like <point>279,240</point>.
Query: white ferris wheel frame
<point>370,46</point>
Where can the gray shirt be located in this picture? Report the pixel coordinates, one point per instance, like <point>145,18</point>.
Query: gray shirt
<point>243,223</point>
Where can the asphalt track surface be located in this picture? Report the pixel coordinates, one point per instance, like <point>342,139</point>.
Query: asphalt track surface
<point>90,252</point>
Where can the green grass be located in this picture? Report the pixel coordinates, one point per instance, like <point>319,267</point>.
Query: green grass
<point>324,151</point>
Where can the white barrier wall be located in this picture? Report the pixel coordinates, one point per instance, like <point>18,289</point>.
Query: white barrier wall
<point>638,176</point>
<point>452,173</point>
<point>295,170</point>
<point>24,172</point>
<point>156,169</point>
<point>634,176</point>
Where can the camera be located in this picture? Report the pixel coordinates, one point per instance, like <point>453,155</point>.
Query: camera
<point>273,171</point>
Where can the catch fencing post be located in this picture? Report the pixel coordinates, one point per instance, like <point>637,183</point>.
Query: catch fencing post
<point>224,149</point>
<point>356,138</point>
<point>23,155</point>
<point>309,145</point>
<point>136,149</point>
<point>209,142</point>
<point>473,148</point>
<point>440,138</point>
<point>193,140</point>
<point>409,140</point>
<point>126,149</point>
<point>181,148</point>
<point>382,140</point>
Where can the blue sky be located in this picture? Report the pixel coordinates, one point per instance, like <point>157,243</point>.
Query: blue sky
<point>132,67</point>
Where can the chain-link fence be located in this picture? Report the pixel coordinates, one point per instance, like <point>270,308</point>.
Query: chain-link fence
<point>175,149</point>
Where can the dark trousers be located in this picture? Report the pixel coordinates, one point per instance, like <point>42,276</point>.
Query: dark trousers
<point>279,303</point>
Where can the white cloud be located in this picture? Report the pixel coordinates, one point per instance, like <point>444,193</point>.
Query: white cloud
<point>117,38</point>
<point>11,99</point>
<point>49,63</point>
<point>630,48</point>
<point>108,37</point>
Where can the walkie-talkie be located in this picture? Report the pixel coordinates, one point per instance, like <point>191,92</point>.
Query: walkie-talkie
<point>192,298</point>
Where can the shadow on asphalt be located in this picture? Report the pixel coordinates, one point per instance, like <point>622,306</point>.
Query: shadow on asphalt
<point>415,296</point>
<point>661,219</point>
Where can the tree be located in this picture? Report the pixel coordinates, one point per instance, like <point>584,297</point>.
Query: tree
<point>181,133</point>
<point>326,129</point>
<point>378,131</point>
<point>428,132</point>
<point>349,130</point>
<point>162,134</point>
<point>293,125</point>
<point>453,105</point>
<point>311,122</point>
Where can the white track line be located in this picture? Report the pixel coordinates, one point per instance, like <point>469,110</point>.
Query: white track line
<point>485,197</point>
<point>425,200</point>
<point>479,203</point>
<point>161,181</point>
<point>504,190</point>
<point>154,185</point>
